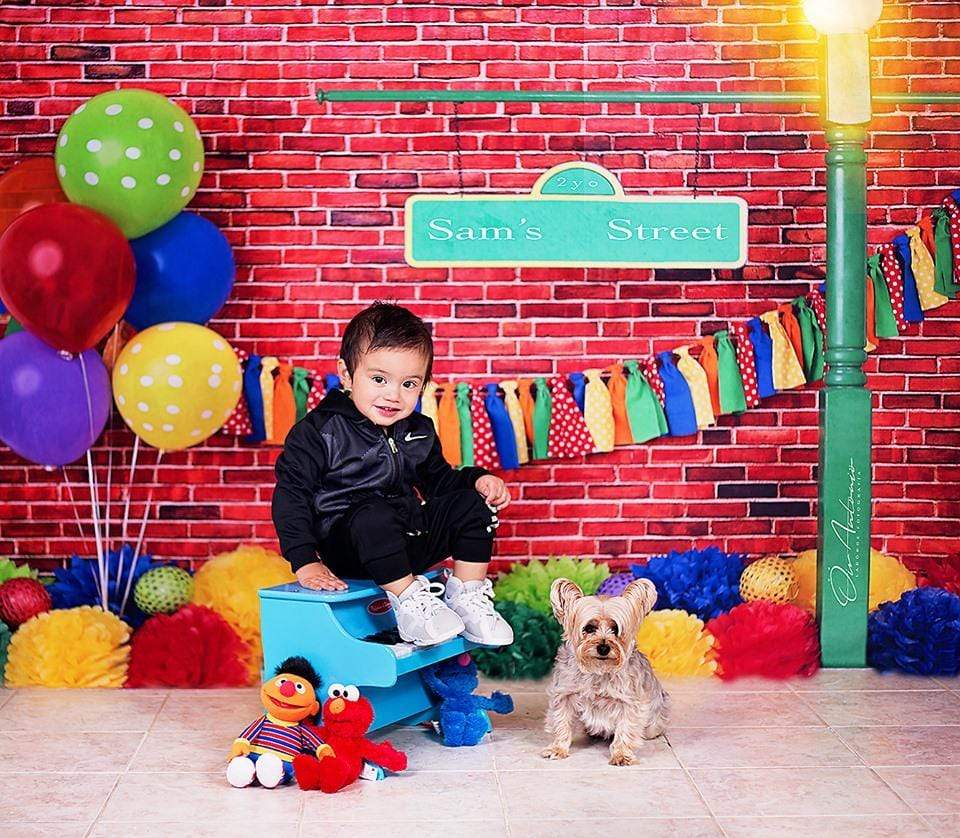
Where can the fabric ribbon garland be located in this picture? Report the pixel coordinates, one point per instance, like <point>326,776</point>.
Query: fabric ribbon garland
<point>568,435</point>
<point>729,380</point>
<point>885,321</point>
<point>644,413</point>
<point>699,386</point>
<point>679,408</point>
<point>300,383</point>
<point>912,310</point>
<point>448,418</point>
<point>710,364</point>
<point>787,371</point>
<point>267,365</point>
<point>746,363</point>
<point>484,445</point>
<point>598,411</point>
<point>542,410</point>
<point>284,406</point>
<point>622,435</point>
<point>466,424</point>
<point>813,348</point>
<point>579,383</point>
<point>502,428</point>
<point>428,404</point>
<point>763,357</point>
<point>254,397</point>
<point>924,271</point>
<point>515,413</point>
<point>893,276</point>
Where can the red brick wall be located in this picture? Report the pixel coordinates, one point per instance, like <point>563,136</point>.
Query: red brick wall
<point>310,197</point>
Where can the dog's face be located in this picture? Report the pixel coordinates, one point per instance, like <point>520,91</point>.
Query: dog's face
<point>601,630</point>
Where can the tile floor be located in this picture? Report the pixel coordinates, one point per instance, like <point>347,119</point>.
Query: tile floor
<point>845,753</point>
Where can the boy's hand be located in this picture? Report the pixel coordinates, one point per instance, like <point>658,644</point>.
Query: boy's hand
<point>494,491</point>
<point>317,576</point>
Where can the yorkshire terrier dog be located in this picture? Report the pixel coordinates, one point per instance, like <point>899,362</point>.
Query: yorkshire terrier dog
<point>601,680</point>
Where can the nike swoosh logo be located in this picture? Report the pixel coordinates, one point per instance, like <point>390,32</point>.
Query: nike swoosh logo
<point>409,438</point>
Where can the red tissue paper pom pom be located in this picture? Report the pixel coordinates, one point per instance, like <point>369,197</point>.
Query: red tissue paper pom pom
<point>766,639</point>
<point>937,572</point>
<point>21,599</point>
<point>194,647</point>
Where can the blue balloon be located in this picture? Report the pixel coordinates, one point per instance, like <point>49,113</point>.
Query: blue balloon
<point>185,272</point>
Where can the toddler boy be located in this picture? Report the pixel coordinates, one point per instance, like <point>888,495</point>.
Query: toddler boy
<point>363,490</point>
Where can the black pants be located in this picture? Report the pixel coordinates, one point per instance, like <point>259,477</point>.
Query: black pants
<point>385,539</point>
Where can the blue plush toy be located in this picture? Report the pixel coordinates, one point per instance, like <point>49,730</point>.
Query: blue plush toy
<point>462,720</point>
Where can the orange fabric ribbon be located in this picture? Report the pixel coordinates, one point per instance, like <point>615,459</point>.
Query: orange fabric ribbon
<point>617,385</point>
<point>709,362</point>
<point>284,405</point>
<point>449,420</point>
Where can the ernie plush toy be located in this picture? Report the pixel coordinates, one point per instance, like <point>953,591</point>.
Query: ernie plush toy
<point>346,718</point>
<point>266,749</point>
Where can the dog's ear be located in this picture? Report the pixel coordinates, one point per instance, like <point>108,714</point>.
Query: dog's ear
<point>563,593</point>
<point>642,596</point>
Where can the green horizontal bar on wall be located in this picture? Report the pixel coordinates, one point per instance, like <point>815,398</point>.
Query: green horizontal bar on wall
<point>685,97</point>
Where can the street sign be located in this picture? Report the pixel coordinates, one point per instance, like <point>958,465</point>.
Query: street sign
<point>576,216</point>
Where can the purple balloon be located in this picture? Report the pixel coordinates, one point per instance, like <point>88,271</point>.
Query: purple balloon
<point>45,415</point>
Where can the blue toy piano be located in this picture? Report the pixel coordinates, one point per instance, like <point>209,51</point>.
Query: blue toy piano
<point>328,629</point>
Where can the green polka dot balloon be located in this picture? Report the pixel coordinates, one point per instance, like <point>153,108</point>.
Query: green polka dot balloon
<point>132,155</point>
<point>163,590</point>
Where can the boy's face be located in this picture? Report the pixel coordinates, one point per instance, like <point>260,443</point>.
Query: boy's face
<point>386,384</point>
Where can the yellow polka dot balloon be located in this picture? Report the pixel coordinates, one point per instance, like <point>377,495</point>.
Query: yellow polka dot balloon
<point>771,578</point>
<point>175,384</point>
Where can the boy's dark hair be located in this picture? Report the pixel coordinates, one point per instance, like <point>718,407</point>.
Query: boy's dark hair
<point>300,667</point>
<point>385,326</point>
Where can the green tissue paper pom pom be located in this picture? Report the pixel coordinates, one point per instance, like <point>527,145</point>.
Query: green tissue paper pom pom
<point>10,570</point>
<point>536,640</point>
<point>530,583</point>
<point>4,643</point>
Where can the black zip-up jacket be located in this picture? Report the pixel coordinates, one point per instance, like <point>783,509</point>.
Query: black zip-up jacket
<point>335,456</point>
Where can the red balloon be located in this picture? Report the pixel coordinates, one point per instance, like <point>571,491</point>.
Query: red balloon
<point>66,273</point>
<point>21,599</point>
<point>27,185</point>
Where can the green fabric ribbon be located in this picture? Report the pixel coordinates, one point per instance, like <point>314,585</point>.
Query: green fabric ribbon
<point>811,337</point>
<point>301,390</point>
<point>542,411</point>
<point>885,322</point>
<point>732,397</point>
<point>944,282</point>
<point>644,413</point>
<point>466,424</point>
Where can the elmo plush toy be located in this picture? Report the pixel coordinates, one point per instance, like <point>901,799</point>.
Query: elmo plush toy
<point>346,718</point>
<point>266,749</point>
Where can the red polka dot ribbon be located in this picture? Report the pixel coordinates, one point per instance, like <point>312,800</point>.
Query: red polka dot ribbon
<point>648,366</point>
<point>746,362</point>
<point>893,275</point>
<point>569,435</point>
<point>484,446</point>
<point>239,424</point>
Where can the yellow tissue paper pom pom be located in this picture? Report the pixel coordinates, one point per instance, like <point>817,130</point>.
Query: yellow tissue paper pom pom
<point>889,579</point>
<point>771,579</point>
<point>73,647</point>
<point>676,643</point>
<point>229,583</point>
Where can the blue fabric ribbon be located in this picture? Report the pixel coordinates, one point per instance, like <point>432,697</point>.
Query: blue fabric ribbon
<point>254,396</point>
<point>579,382</point>
<point>678,401</point>
<point>503,435</point>
<point>763,353</point>
<point>911,297</point>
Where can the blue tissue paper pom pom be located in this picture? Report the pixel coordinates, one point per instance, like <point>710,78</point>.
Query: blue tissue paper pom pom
<point>919,633</point>
<point>79,583</point>
<point>702,582</point>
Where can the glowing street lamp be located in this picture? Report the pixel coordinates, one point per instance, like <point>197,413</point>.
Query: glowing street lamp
<point>843,511</point>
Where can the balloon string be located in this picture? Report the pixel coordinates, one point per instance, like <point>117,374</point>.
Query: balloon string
<point>143,527</point>
<point>94,493</point>
<point>106,437</point>
<point>126,509</point>
<point>76,515</point>
<point>95,509</point>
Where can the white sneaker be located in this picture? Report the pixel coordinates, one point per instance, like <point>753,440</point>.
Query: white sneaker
<point>473,602</point>
<point>422,618</point>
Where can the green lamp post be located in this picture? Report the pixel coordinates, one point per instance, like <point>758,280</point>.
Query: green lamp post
<point>843,516</point>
